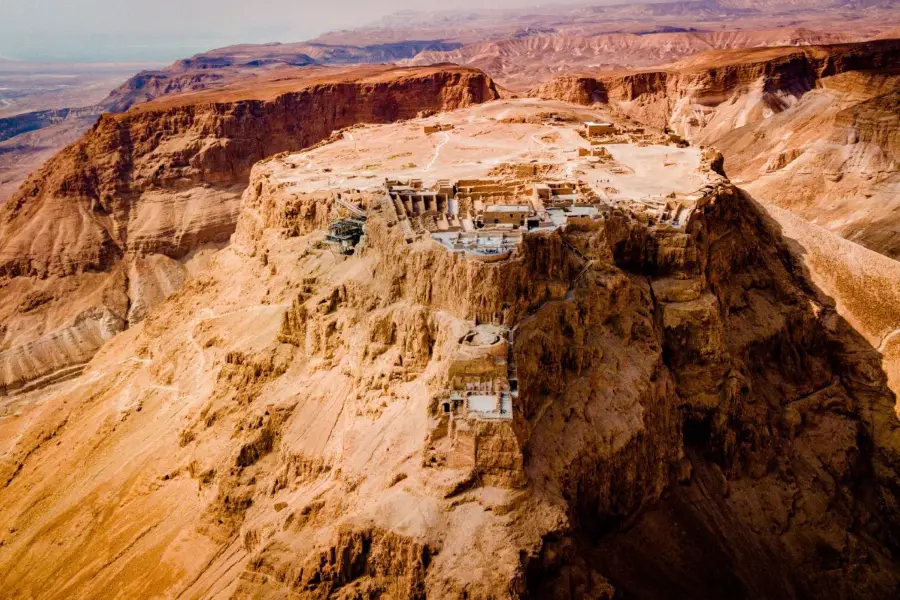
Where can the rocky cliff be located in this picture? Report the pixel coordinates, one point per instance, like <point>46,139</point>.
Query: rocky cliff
<point>526,61</point>
<point>165,181</point>
<point>690,96</point>
<point>809,129</point>
<point>832,158</point>
<point>195,144</point>
<point>221,66</point>
<point>688,397</point>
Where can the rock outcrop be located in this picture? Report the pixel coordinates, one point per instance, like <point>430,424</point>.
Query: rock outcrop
<point>222,66</point>
<point>707,95</point>
<point>165,180</point>
<point>832,159</point>
<point>809,129</point>
<point>687,397</point>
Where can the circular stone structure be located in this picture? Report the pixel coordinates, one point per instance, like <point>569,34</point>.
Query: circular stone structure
<point>478,337</point>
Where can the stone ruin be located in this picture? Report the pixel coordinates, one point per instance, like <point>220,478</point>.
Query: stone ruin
<point>481,378</point>
<point>593,129</point>
<point>437,128</point>
<point>346,233</point>
<point>608,133</point>
<point>475,410</point>
<point>486,218</point>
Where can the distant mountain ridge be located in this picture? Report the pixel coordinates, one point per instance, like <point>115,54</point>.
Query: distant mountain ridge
<point>523,62</point>
<point>18,124</point>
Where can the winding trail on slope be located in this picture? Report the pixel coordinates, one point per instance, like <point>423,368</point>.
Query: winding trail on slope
<point>886,339</point>
<point>437,151</point>
<point>353,139</point>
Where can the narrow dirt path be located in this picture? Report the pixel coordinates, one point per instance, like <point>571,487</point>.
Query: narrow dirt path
<point>437,151</point>
<point>886,339</point>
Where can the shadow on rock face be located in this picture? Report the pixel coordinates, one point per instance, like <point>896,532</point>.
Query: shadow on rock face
<point>764,462</point>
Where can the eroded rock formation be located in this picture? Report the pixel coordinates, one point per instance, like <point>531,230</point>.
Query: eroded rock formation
<point>525,61</point>
<point>809,129</point>
<point>164,181</point>
<point>687,397</point>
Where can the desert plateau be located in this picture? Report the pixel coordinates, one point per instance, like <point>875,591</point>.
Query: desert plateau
<point>567,301</point>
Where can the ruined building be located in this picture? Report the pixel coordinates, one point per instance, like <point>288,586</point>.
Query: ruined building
<point>486,218</point>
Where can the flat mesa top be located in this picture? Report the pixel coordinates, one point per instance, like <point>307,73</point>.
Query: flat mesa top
<point>269,84</point>
<point>484,141</point>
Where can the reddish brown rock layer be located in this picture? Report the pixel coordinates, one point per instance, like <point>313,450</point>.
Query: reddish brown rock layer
<point>810,129</point>
<point>165,181</point>
<point>91,190</point>
<point>711,77</point>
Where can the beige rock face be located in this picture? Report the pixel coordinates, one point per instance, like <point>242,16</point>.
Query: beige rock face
<point>812,130</point>
<point>688,397</point>
<point>706,95</point>
<point>834,159</point>
<point>144,191</point>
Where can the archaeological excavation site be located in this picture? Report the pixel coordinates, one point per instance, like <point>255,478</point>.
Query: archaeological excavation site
<point>388,331</point>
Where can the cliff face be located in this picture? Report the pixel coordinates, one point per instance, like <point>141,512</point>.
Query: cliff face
<point>221,66</point>
<point>831,159</point>
<point>809,129</point>
<point>147,85</point>
<point>687,397</point>
<point>165,181</point>
<point>706,95</point>
<point>764,373</point>
<point>743,381</point>
<point>128,158</point>
<point>525,61</point>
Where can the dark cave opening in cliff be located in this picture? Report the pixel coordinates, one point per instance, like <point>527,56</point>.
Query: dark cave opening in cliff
<point>697,432</point>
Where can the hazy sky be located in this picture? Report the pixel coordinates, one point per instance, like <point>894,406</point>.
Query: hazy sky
<point>137,30</point>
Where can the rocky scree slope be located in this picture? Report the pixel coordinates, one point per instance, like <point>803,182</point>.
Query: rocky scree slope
<point>687,398</point>
<point>97,237</point>
<point>833,158</point>
<point>809,129</point>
